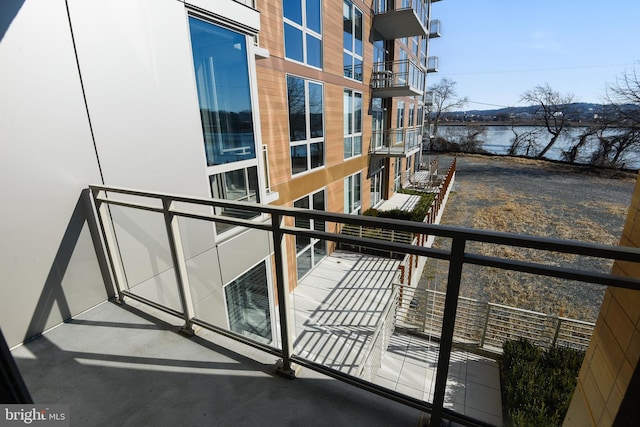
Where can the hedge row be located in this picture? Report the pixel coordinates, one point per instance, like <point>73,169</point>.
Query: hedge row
<point>537,383</point>
<point>417,213</point>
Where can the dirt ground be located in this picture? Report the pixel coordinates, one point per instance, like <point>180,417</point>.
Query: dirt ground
<point>536,198</point>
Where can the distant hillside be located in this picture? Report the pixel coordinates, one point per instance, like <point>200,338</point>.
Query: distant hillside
<point>578,111</point>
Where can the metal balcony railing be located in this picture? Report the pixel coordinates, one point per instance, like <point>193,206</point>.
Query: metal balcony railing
<point>487,326</point>
<point>155,228</point>
<point>400,18</point>
<point>396,142</point>
<point>397,78</point>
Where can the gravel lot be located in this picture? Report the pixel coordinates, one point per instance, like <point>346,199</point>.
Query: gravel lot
<point>536,198</point>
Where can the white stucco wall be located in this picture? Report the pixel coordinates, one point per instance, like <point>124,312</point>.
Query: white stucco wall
<point>132,63</point>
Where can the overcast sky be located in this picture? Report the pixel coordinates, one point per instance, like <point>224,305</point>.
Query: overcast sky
<point>497,49</point>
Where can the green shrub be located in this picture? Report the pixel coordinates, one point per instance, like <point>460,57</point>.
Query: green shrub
<point>537,384</point>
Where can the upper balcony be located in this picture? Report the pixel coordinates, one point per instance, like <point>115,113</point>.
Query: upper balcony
<point>396,142</point>
<point>434,29</point>
<point>397,78</point>
<point>400,18</point>
<point>432,64</point>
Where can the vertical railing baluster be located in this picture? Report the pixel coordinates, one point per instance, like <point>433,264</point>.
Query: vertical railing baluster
<point>113,255</point>
<point>486,324</point>
<point>279,250</point>
<point>556,332</point>
<point>179,265</point>
<point>448,324</point>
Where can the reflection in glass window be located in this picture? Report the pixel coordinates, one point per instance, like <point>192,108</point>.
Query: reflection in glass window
<point>247,301</point>
<point>303,31</point>
<point>352,123</point>
<point>310,251</point>
<point>222,80</point>
<point>352,40</point>
<point>306,124</point>
<point>240,185</point>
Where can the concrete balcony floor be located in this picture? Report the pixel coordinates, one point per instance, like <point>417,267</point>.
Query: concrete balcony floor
<point>128,366</point>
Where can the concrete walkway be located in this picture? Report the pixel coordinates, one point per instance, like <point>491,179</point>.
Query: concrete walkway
<point>337,307</point>
<point>473,385</point>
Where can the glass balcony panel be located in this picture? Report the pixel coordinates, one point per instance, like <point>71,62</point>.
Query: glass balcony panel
<point>397,78</point>
<point>146,255</point>
<point>396,142</point>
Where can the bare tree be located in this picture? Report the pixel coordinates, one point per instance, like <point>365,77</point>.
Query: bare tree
<point>552,108</point>
<point>524,142</point>
<point>443,98</point>
<point>624,119</point>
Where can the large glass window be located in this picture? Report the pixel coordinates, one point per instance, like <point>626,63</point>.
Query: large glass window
<point>403,67</point>
<point>222,80</point>
<point>352,123</point>
<point>415,43</point>
<point>423,52</point>
<point>247,301</point>
<point>240,185</point>
<point>352,194</point>
<point>306,124</point>
<point>352,40</point>
<point>400,115</point>
<point>303,31</point>
<point>310,251</point>
<point>411,115</point>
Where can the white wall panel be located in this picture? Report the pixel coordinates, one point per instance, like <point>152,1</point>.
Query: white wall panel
<point>46,159</point>
<point>135,59</point>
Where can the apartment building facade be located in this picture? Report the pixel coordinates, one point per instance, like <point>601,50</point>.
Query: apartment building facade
<point>341,98</point>
<point>305,103</point>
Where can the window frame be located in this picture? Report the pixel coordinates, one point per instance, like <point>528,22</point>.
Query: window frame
<point>309,141</point>
<point>315,247</point>
<point>352,52</point>
<point>352,124</point>
<point>306,32</point>
<point>227,288</point>
<point>353,205</point>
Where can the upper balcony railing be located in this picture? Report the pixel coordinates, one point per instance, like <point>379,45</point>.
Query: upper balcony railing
<point>397,78</point>
<point>396,142</point>
<point>193,278</point>
<point>400,18</point>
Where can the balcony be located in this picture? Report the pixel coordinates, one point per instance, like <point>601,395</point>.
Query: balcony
<point>434,29</point>
<point>400,18</point>
<point>432,64</point>
<point>127,364</point>
<point>396,142</point>
<point>397,78</point>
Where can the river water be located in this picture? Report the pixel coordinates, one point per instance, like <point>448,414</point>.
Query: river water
<point>498,139</point>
